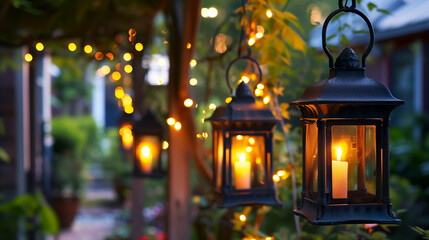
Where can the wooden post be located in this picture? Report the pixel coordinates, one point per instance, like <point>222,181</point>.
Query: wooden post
<point>183,24</point>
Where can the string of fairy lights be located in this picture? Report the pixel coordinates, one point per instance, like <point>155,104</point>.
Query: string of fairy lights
<point>122,69</point>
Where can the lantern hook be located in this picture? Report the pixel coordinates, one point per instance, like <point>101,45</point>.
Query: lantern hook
<point>352,9</point>
<point>238,59</point>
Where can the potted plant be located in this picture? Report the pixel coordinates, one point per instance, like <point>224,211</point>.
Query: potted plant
<point>116,165</point>
<point>74,145</point>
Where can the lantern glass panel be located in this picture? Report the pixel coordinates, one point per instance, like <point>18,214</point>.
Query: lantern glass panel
<point>248,161</point>
<point>218,156</point>
<point>147,153</point>
<point>311,160</point>
<point>354,161</point>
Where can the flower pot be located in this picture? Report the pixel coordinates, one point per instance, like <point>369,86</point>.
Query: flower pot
<point>66,209</point>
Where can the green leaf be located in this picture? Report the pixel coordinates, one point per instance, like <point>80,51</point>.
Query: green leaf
<point>359,31</point>
<point>371,6</point>
<point>48,220</point>
<point>4,155</point>
<point>344,40</point>
<point>331,37</point>
<point>383,11</point>
<point>378,235</point>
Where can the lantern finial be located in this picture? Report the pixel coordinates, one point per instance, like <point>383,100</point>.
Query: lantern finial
<point>347,59</point>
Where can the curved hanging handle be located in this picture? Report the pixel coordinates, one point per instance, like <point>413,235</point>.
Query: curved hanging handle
<point>352,9</point>
<point>238,59</point>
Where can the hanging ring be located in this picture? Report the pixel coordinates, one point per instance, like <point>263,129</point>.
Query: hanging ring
<point>341,5</point>
<point>351,9</point>
<point>238,59</point>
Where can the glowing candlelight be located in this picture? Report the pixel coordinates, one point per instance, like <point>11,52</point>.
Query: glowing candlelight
<point>145,156</point>
<point>339,175</point>
<point>242,173</point>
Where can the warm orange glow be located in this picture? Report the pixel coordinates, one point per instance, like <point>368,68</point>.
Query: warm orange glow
<point>87,48</point>
<point>251,141</point>
<point>188,46</point>
<point>269,13</point>
<point>105,69</point>
<point>139,47</point>
<point>276,178</point>
<point>28,57</point>
<point>339,153</point>
<point>281,173</point>
<point>242,217</point>
<point>127,136</point>
<point>116,75</point>
<point>188,102</point>
<point>119,92</point>
<point>109,56</point>
<point>177,126</point>
<point>165,145</point>
<point>193,63</point>
<point>228,99</point>
<point>245,79</point>
<point>99,56</point>
<point>239,137</point>
<point>248,149</point>
<point>129,109</point>
<point>260,86</point>
<point>145,155</point>
<point>72,47</point>
<point>39,46</point>
<point>171,121</point>
<point>212,106</point>
<point>127,57</point>
<point>266,99</point>
<point>251,41</point>
<point>205,135</point>
<point>259,92</point>
<point>127,100</point>
<point>128,68</point>
<point>193,81</point>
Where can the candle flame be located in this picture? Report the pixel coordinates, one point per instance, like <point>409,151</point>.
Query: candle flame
<point>145,151</point>
<point>339,153</point>
<point>242,157</point>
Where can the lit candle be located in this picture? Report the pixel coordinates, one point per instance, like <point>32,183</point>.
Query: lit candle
<point>242,173</point>
<point>339,176</point>
<point>145,157</point>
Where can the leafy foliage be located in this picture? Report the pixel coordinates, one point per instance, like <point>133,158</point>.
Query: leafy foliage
<point>75,144</point>
<point>24,208</point>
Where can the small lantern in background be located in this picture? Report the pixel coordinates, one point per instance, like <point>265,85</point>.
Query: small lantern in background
<point>243,149</point>
<point>148,133</point>
<point>125,130</point>
<point>346,142</point>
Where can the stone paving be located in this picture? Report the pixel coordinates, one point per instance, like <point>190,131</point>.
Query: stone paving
<point>92,223</point>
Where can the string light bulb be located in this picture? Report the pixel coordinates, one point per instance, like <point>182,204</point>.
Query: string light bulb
<point>269,13</point>
<point>87,48</point>
<point>39,46</point>
<point>72,47</point>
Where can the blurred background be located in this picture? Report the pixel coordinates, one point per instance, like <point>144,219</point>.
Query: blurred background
<point>70,70</point>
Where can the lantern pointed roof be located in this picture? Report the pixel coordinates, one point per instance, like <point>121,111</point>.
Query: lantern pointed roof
<point>347,84</point>
<point>243,107</point>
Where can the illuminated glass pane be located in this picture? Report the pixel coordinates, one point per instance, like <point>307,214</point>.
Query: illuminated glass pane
<point>248,161</point>
<point>311,160</point>
<point>353,161</point>
<point>218,156</point>
<point>147,153</point>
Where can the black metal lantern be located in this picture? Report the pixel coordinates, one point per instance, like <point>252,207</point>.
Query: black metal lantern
<point>148,133</point>
<point>126,122</point>
<point>346,142</point>
<point>242,149</point>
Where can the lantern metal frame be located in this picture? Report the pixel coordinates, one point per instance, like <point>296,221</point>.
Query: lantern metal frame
<point>242,116</point>
<point>346,98</point>
<point>148,125</point>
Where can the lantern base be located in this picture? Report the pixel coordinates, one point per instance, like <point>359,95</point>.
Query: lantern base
<point>346,213</point>
<point>245,198</point>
